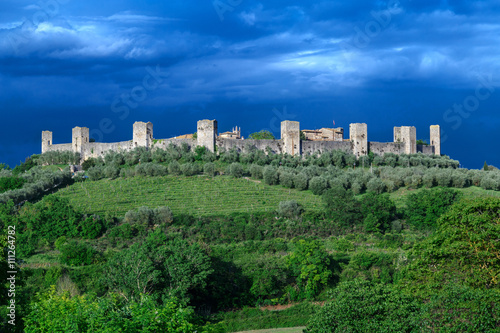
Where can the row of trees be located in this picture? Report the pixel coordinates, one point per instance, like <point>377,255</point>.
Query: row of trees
<point>36,183</point>
<point>183,153</point>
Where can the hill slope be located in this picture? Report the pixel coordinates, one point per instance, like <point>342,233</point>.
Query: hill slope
<point>199,196</point>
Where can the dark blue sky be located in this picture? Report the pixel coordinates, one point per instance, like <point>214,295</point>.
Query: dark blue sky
<point>106,64</point>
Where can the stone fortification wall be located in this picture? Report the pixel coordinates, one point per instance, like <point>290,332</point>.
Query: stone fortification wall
<point>426,150</point>
<point>290,143</point>
<point>318,147</point>
<point>242,145</point>
<point>380,148</point>
<point>164,143</point>
<point>59,147</point>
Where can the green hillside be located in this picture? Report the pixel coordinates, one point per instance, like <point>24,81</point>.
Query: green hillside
<point>199,196</point>
<point>192,242</point>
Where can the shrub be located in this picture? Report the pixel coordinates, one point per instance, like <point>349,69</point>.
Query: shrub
<point>60,242</point>
<point>378,211</point>
<point>341,206</point>
<point>146,216</point>
<point>428,180</point>
<point>92,227</point>
<point>11,183</point>
<point>199,152</point>
<point>236,170</point>
<point>189,169</point>
<point>375,185</point>
<point>290,209</point>
<point>443,178</point>
<point>309,263</point>
<point>87,164</point>
<point>363,306</point>
<point>75,253</point>
<point>318,185</point>
<point>286,179</point>
<point>270,175</point>
<point>163,215</point>
<point>111,171</point>
<point>357,187</point>
<point>301,181</point>
<point>174,168</point>
<point>425,207</point>
<point>127,173</point>
<point>209,169</point>
<point>95,173</point>
<point>256,171</point>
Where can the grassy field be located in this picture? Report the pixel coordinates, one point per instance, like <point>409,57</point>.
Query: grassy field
<point>198,195</point>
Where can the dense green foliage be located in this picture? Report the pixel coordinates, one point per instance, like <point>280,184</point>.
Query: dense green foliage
<point>54,312</point>
<point>309,263</point>
<point>425,207</point>
<point>464,248</point>
<point>170,240</point>
<point>10,183</point>
<point>363,306</point>
<point>262,135</point>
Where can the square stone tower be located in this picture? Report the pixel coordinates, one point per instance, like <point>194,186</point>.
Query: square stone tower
<point>143,134</point>
<point>397,134</point>
<point>80,139</point>
<point>207,133</point>
<point>408,136</point>
<point>46,141</point>
<point>290,134</point>
<point>436,139</point>
<point>358,134</point>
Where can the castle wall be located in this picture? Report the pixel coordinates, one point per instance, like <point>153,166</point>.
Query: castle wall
<point>164,143</point>
<point>59,147</point>
<point>313,147</point>
<point>290,143</point>
<point>426,150</point>
<point>96,149</point>
<point>380,148</point>
<point>226,143</point>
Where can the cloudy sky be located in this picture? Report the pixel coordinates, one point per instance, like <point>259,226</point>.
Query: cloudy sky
<point>105,64</point>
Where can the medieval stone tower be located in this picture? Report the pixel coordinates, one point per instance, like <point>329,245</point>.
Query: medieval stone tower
<point>436,139</point>
<point>408,136</point>
<point>143,134</point>
<point>358,134</point>
<point>80,139</point>
<point>207,134</point>
<point>290,135</point>
<point>46,141</point>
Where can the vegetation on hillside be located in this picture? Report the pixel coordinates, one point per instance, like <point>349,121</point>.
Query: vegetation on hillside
<point>188,241</point>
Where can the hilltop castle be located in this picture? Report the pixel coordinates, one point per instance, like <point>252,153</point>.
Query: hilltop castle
<point>317,141</point>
